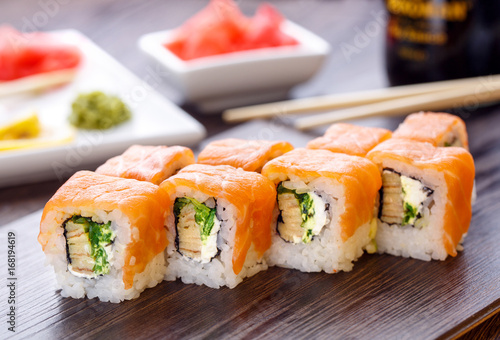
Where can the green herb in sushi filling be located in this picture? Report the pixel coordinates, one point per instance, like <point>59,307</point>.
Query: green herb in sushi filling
<point>204,215</point>
<point>307,211</point>
<point>100,236</point>
<point>98,111</point>
<point>404,200</point>
<point>197,228</point>
<point>410,213</point>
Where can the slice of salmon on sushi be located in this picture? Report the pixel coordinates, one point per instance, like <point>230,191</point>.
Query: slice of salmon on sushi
<point>104,236</point>
<point>438,128</point>
<point>250,155</point>
<point>425,201</point>
<point>219,226</point>
<point>148,163</point>
<point>325,203</point>
<point>350,139</point>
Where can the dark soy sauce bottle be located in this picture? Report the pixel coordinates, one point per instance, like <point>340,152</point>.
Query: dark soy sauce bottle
<point>483,50</point>
<point>433,40</point>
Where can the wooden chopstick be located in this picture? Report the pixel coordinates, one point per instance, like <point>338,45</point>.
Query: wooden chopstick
<point>458,97</point>
<point>36,82</point>
<point>343,100</point>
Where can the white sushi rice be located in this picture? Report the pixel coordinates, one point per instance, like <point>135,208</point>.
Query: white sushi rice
<point>425,243</point>
<point>218,272</point>
<point>109,287</point>
<point>327,251</point>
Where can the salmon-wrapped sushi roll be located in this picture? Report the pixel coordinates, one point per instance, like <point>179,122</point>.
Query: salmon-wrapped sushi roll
<point>148,163</point>
<point>105,236</point>
<point>250,155</point>
<point>425,201</point>
<point>326,209</point>
<point>439,129</point>
<point>220,225</point>
<point>350,139</point>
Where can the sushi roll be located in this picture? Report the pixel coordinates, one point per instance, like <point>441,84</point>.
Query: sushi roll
<point>104,236</point>
<point>325,203</point>
<point>250,155</point>
<point>425,200</point>
<point>219,226</point>
<point>148,163</point>
<point>350,139</point>
<point>439,129</point>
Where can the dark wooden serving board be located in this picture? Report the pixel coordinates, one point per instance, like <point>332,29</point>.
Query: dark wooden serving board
<point>383,297</point>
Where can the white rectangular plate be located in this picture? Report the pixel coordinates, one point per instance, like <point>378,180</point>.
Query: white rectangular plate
<point>155,120</point>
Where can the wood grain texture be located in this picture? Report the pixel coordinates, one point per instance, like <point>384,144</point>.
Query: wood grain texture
<point>383,297</point>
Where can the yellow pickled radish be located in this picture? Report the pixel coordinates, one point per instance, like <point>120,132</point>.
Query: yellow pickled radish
<point>49,136</point>
<point>27,126</point>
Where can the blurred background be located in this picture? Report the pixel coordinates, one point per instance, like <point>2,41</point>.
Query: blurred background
<point>116,26</point>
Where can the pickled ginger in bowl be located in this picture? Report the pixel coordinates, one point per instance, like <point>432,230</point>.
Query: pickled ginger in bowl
<point>220,58</point>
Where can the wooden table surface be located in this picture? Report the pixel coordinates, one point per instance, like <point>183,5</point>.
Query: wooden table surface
<point>116,25</point>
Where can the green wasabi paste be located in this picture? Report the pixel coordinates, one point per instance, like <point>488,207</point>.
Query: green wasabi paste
<point>98,111</point>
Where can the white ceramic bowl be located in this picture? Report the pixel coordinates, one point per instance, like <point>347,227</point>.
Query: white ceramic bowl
<point>240,78</point>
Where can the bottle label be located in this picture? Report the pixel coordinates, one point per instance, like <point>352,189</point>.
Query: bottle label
<point>449,11</point>
<point>416,25</point>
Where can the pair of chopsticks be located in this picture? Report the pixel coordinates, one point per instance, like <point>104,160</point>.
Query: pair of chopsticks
<point>392,101</point>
